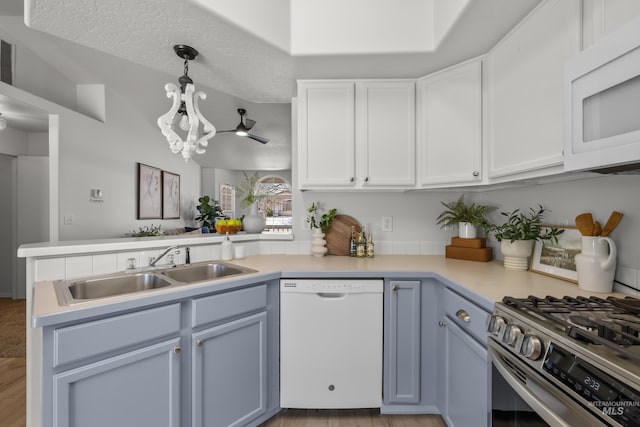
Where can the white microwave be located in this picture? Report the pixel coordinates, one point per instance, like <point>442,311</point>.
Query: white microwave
<point>602,104</point>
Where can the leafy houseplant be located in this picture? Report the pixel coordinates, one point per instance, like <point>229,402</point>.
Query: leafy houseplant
<point>316,220</point>
<point>208,211</point>
<point>521,226</point>
<point>247,190</point>
<point>459,212</point>
<point>518,233</point>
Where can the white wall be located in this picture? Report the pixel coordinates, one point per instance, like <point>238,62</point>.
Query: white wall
<point>7,236</point>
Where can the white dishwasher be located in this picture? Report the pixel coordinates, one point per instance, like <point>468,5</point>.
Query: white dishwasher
<point>330,343</point>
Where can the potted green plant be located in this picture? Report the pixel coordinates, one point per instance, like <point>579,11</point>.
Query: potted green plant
<point>247,189</point>
<point>319,224</point>
<point>518,233</point>
<point>469,217</point>
<point>208,211</point>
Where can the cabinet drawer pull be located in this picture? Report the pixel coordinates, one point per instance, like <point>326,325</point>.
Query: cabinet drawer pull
<point>476,173</point>
<point>199,343</point>
<point>441,324</point>
<point>177,349</point>
<point>463,315</point>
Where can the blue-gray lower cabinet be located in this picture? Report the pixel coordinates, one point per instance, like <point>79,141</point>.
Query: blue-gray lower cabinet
<point>137,388</point>
<point>409,354</point>
<point>464,376</point>
<point>229,374</point>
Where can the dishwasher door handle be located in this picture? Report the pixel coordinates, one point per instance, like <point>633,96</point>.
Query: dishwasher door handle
<point>331,295</point>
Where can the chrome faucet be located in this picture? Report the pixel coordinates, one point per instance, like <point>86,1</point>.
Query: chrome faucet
<point>153,262</point>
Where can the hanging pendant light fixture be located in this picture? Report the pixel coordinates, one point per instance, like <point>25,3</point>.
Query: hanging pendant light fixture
<point>185,113</point>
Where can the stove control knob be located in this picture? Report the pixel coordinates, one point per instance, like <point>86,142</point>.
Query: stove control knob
<point>496,324</point>
<point>511,335</point>
<point>531,347</point>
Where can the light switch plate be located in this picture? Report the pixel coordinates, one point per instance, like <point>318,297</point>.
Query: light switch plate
<point>387,223</point>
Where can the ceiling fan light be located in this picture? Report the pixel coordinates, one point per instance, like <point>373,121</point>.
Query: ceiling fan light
<point>241,132</point>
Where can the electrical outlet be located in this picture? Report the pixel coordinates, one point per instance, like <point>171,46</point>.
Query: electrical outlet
<point>387,223</point>
<point>68,220</point>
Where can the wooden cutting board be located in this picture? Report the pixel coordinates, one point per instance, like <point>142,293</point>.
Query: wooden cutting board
<point>339,234</point>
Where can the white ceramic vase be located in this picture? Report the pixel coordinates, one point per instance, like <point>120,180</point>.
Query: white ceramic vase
<point>596,265</point>
<point>516,254</point>
<point>466,230</point>
<point>254,222</point>
<point>318,243</point>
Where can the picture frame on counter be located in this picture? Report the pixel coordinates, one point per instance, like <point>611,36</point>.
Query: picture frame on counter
<point>170,195</point>
<point>557,259</point>
<point>149,192</point>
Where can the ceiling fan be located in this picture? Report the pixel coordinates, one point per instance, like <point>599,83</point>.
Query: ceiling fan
<point>244,127</point>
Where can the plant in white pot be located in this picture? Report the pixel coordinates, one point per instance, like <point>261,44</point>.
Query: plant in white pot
<point>469,217</point>
<point>253,222</point>
<point>518,233</point>
<point>319,224</point>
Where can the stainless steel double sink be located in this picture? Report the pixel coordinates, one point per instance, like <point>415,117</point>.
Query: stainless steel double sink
<point>70,292</point>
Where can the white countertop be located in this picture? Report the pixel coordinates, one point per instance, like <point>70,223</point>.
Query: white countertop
<point>488,282</point>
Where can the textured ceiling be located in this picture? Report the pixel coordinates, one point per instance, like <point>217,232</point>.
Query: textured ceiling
<point>237,62</point>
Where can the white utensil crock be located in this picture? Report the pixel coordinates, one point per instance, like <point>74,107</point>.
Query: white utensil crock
<point>596,265</point>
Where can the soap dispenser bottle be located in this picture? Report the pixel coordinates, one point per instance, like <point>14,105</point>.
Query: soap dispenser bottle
<point>226,249</point>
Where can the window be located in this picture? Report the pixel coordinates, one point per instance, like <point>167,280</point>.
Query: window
<point>275,204</point>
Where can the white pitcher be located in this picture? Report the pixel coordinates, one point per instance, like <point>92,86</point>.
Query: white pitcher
<point>596,265</point>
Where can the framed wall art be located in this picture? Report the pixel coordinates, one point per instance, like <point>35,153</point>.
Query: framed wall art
<point>170,195</point>
<point>557,259</point>
<point>149,192</point>
<point>228,200</point>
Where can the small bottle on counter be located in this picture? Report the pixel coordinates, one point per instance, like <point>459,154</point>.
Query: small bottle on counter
<point>370,248</point>
<point>361,248</point>
<point>226,249</point>
<point>352,242</point>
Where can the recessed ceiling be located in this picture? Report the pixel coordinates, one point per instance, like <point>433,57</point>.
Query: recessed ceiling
<point>246,55</point>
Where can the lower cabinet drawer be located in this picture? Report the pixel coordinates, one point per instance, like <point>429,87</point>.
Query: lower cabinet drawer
<point>229,304</point>
<point>467,315</point>
<point>74,343</point>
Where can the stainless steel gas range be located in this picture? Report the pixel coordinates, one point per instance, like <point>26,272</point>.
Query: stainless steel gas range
<point>566,361</point>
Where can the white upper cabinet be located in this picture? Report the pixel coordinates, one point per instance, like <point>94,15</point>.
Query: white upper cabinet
<point>450,126</point>
<point>385,133</point>
<point>525,92</point>
<point>356,134</point>
<point>326,134</point>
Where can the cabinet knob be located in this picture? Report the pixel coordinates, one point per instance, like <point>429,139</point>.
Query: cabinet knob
<point>476,173</point>
<point>199,343</point>
<point>463,315</point>
<point>366,179</point>
<point>395,288</point>
<point>177,349</point>
<point>442,324</point>
<point>352,179</point>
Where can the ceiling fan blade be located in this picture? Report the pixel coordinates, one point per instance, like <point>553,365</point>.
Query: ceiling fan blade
<point>258,138</point>
<point>223,131</point>
<point>248,123</point>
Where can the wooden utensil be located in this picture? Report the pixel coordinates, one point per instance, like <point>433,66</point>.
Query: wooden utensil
<point>596,229</point>
<point>611,223</point>
<point>584,222</point>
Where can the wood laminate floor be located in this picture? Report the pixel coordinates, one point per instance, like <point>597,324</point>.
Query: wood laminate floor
<point>350,418</point>
<point>13,394</point>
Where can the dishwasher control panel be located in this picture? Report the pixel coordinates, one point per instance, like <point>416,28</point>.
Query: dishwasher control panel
<point>331,285</point>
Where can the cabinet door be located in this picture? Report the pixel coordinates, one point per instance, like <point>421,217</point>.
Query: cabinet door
<point>140,388</point>
<point>449,126</point>
<point>229,383</point>
<point>402,342</point>
<point>386,133</point>
<point>526,82</point>
<point>326,134</point>
<point>467,374</point>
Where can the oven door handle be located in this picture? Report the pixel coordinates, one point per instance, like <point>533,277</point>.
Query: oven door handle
<point>540,407</point>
